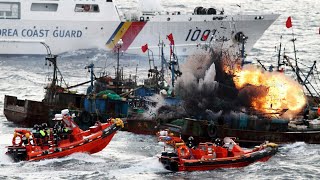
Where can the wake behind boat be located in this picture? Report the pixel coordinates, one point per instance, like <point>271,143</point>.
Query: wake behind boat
<point>72,25</point>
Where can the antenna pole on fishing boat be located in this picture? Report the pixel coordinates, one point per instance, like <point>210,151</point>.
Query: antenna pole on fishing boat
<point>163,61</point>
<point>151,59</point>
<point>279,55</point>
<point>173,63</point>
<point>135,78</point>
<point>118,46</point>
<point>52,59</point>
<point>242,53</point>
<point>91,75</point>
<point>243,50</point>
<point>92,78</point>
<point>295,52</point>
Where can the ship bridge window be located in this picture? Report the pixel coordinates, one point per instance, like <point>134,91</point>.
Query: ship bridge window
<point>87,8</point>
<point>44,7</point>
<point>10,10</point>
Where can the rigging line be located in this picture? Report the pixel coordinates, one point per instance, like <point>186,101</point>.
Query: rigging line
<point>310,84</point>
<point>316,70</point>
<point>105,66</point>
<point>317,79</point>
<point>317,93</point>
<point>313,79</point>
<point>111,63</point>
<point>300,63</point>
<point>304,64</point>
<point>316,74</point>
<point>317,84</point>
<point>62,77</point>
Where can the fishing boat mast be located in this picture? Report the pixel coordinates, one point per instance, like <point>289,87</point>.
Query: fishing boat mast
<point>53,88</point>
<point>174,65</point>
<point>300,75</point>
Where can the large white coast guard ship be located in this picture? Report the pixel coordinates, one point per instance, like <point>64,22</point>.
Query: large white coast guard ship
<point>67,25</point>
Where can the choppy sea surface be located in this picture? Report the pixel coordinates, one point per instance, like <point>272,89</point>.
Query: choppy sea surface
<point>131,156</point>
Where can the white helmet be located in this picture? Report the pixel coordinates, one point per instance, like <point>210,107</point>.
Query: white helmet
<point>57,117</point>
<point>65,112</point>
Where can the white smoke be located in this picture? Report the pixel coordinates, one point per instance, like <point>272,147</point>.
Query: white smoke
<point>197,85</point>
<point>153,110</point>
<point>209,78</point>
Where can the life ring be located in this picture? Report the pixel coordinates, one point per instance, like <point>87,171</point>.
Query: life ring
<point>14,139</point>
<point>183,151</point>
<point>86,7</point>
<point>212,130</point>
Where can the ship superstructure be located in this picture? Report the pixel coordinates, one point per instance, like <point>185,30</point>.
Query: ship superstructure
<point>71,25</point>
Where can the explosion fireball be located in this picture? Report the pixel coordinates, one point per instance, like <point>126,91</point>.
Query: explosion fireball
<point>282,92</point>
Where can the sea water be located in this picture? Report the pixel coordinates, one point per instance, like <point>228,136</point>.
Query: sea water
<point>131,156</point>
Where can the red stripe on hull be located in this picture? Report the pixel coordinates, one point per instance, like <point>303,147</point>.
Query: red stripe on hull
<point>131,34</point>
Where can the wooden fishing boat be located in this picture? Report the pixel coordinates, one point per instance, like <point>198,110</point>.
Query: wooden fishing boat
<point>28,112</point>
<point>89,108</point>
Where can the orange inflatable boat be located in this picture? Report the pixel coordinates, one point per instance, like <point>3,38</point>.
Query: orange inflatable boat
<point>62,140</point>
<point>209,156</point>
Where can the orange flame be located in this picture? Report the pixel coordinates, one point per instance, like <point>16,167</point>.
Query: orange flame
<point>283,92</point>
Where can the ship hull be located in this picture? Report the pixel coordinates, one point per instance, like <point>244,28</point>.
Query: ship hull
<point>201,132</point>
<point>28,113</point>
<point>256,137</point>
<point>24,36</point>
<point>25,112</point>
<point>141,126</point>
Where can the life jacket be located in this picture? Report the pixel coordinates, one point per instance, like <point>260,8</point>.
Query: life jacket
<point>42,133</point>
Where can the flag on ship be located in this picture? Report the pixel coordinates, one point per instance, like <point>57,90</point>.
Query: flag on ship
<point>144,48</point>
<point>170,38</point>
<point>288,22</point>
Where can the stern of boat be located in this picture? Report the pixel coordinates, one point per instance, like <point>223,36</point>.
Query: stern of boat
<point>17,153</point>
<point>170,161</point>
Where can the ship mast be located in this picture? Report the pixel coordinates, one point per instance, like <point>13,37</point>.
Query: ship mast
<point>163,63</point>
<point>53,87</point>
<point>174,66</point>
<point>52,59</point>
<point>279,55</point>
